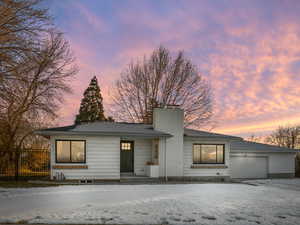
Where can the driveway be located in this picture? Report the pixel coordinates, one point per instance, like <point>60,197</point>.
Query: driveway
<point>259,202</point>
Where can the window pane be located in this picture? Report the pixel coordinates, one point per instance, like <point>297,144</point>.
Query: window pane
<point>196,154</point>
<point>220,152</point>
<point>77,151</point>
<point>126,146</point>
<point>208,154</point>
<point>63,151</point>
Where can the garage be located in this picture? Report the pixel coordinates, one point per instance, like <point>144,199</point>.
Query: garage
<point>251,160</point>
<point>249,167</point>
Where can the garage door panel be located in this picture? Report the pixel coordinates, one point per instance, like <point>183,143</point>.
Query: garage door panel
<point>248,167</point>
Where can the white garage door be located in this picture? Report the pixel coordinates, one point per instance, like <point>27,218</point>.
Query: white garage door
<point>248,167</point>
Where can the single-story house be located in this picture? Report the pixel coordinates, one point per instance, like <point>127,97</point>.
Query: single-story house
<point>164,149</point>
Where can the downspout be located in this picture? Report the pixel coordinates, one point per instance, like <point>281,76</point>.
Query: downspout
<point>166,177</point>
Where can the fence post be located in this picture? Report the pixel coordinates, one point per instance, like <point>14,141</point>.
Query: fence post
<point>17,162</point>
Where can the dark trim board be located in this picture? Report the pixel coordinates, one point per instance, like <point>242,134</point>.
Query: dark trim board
<point>69,167</point>
<point>207,166</point>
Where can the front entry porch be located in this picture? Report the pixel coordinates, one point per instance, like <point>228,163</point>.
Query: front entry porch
<point>139,158</point>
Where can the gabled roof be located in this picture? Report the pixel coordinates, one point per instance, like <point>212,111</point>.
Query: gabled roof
<point>105,128</point>
<point>199,133</point>
<point>248,146</point>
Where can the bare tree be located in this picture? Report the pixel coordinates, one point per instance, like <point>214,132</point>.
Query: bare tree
<point>22,23</point>
<point>285,136</point>
<point>34,94</point>
<point>162,80</point>
<point>254,138</point>
<point>35,65</point>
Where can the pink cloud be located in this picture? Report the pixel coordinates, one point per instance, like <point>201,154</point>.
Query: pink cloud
<point>247,63</point>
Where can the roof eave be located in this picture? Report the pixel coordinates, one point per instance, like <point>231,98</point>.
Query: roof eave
<point>215,137</point>
<point>53,133</point>
<point>258,151</point>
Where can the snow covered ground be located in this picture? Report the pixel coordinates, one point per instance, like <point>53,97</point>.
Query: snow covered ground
<point>293,184</point>
<point>262,202</point>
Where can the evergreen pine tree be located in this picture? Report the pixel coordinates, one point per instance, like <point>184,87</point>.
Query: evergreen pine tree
<point>91,107</point>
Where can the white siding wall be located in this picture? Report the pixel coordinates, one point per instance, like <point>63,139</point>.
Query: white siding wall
<point>171,121</point>
<point>188,158</point>
<point>102,158</point>
<point>142,154</point>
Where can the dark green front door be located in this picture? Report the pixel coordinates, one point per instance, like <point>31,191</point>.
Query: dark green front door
<point>126,156</point>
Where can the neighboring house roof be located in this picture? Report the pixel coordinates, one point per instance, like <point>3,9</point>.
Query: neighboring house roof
<point>205,134</point>
<point>248,146</point>
<point>105,128</point>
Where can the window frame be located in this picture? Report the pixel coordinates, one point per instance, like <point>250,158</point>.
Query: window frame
<point>70,162</point>
<point>219,163</point>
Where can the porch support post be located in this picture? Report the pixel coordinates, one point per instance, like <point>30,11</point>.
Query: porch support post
<point>163,158</point>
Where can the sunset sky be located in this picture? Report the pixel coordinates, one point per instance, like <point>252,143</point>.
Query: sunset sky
<point>249,51</point>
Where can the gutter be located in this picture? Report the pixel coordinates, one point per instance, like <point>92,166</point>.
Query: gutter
<point>103,133</point>
<point>283,151</point>
<point>216,138</point>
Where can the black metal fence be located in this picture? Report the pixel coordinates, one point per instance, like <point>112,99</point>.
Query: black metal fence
<point>25,164</point>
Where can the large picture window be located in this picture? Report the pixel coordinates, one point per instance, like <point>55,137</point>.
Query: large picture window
<point>208,153</point>
<point>70,151</point>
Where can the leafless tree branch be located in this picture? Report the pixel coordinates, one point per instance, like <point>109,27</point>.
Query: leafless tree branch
<point>162,80</point>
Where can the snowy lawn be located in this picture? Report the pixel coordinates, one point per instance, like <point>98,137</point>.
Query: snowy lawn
<point>262,203</point>
<point>293,184</point>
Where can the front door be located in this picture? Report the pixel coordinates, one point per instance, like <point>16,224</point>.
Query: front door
<point>127,151</point>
